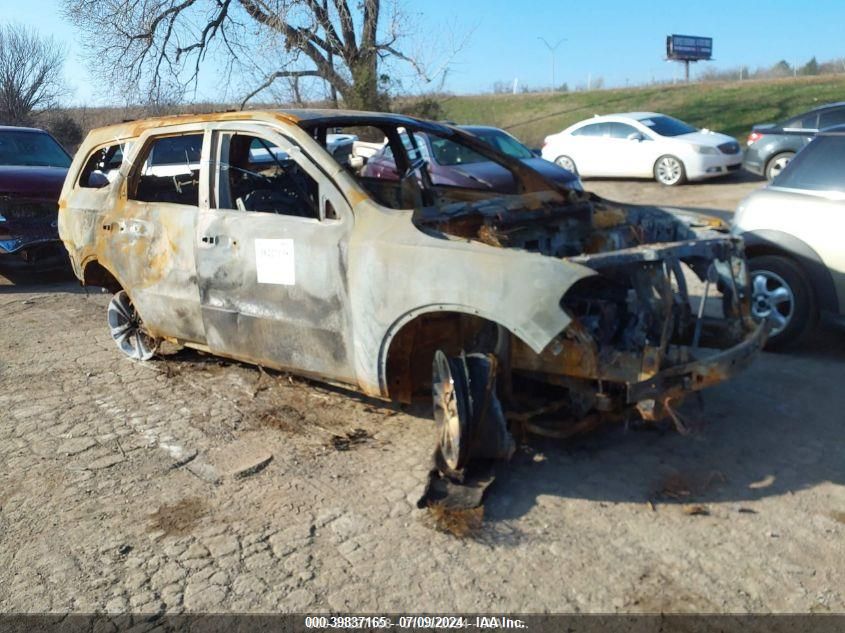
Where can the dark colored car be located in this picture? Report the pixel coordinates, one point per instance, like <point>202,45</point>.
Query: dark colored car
<point>772,145</point>
<point>454,165</point>
<point>33,166</point>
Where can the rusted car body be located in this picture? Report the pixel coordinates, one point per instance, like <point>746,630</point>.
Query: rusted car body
<point>580,304</point>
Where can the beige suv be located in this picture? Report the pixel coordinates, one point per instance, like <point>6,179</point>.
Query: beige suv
<point>525,303</point>
<point>793,231</point>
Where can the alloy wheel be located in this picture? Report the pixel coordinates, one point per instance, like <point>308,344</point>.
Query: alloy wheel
<point>778,165</point>
<point>127,330</point>
<point>669,170</point>
<point>772,299</point>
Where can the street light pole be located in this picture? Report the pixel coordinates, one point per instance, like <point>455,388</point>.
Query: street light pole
<point>552,50</point>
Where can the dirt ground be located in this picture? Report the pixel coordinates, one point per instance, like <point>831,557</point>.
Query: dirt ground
<point>119,486</point>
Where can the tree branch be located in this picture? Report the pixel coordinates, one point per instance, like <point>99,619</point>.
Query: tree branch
<point>278,75</point>
<point>384,49</point>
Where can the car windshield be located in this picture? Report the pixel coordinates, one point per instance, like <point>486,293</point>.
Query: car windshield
<point>503,142</point>
<point>31,149</point>
<point>447,152</point>
<point>817,167</point>
<point>667,126</point>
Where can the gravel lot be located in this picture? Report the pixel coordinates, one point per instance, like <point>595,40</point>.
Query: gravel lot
<point>119,486</point>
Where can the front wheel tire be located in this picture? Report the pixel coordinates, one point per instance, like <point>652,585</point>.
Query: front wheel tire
<point>669,171</point>
<point>780,293</point>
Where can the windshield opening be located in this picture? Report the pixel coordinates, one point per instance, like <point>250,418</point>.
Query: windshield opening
<point>667,126</point>
<point>448,152</point>
<point>31,149</point>
<point>402,165</point>
<point>503,142</point>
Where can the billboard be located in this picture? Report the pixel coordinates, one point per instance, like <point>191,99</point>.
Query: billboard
<point>688,47</point>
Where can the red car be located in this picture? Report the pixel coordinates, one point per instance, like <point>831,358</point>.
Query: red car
<point>453,165</point>
<point>33,166</point>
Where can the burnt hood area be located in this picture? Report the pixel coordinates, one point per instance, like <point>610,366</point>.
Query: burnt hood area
<point>584,225</point>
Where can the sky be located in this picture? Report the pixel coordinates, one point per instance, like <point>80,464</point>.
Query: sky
<point>621,41</point>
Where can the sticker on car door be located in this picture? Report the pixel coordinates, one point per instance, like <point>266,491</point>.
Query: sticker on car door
<point>274,262</point>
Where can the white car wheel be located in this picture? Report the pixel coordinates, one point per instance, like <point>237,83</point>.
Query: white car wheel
<point>669,171</point>
<point>567,163</point>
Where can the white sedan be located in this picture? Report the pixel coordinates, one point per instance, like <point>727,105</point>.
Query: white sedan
<point>643,145</point>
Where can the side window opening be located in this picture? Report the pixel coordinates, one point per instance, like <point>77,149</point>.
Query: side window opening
<point>805,122</point>
<point>170,171</point>
<point>593,129</point>
<point>102,166</point>
<point>258,176</point>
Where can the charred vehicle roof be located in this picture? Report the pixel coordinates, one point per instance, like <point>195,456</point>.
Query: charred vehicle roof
<point>536,307</point>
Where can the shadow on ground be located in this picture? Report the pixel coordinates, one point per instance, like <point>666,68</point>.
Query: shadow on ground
<point>12,281</point>
<point>776,429</point>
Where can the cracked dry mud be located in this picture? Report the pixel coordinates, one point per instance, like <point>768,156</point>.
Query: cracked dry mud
<point>115,494</point>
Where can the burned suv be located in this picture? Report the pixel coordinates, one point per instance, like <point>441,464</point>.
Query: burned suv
<point>525,305</point>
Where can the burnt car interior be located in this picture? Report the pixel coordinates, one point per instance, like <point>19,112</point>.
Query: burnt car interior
<point>170,173</point>
<point>259,176</point>
<point>101,163</point>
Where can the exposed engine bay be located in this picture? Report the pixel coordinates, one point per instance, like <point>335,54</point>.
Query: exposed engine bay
<point>640,338</point>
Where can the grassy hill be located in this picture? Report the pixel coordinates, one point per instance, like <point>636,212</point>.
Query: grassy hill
<point>731,108</point>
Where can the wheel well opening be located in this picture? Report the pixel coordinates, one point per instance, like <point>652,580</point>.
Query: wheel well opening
<point>95,274</point>
<point>409,358</point>
<point>759,250</point>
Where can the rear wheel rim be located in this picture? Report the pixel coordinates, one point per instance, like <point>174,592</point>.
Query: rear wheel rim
<point>668,170</point>
<point>566,163</point>
<point>127,330</point>
<point>778,165</point>
<point>772,299</point>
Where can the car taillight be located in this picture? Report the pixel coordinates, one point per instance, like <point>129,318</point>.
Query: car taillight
<point>754,137</point>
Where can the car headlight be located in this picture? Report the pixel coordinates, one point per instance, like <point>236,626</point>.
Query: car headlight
<point>705,149</point>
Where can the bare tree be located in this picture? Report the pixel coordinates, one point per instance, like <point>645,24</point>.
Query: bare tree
<point>346,43</point>
<point>30,74</point>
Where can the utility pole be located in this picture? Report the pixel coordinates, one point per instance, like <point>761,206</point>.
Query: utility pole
<point>552,50</point>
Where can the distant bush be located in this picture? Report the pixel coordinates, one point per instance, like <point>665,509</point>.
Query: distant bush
<point>424,108</point>
<point>64,127</point>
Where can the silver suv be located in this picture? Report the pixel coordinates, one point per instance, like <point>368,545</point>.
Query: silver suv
<point>793,232</point>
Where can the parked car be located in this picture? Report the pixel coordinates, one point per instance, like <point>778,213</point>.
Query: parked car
<point>642,145</point>
<point>793,231</point>
<point>771,146</point>
<point>33,166</point>
<point>449,164</point>
<point>404,288</point>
